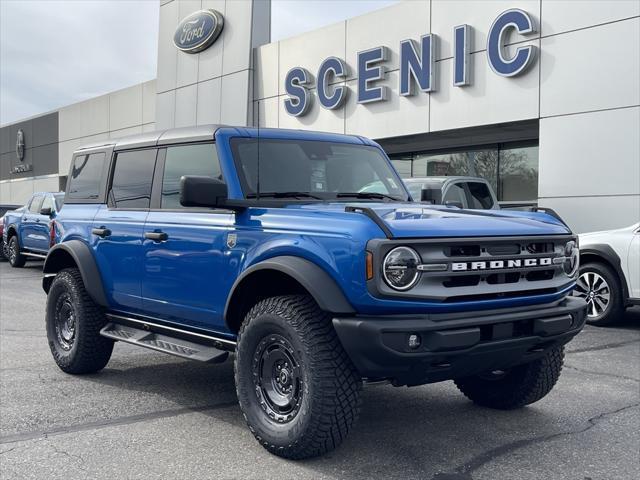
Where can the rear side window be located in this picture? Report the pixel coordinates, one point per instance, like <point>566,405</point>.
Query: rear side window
<point>47,203</point>
<point>36,204</point>
<point>59,199</point>
<point>480,195</point>
<point>186,160</point>
<point>132,179</point>
<point>86,176</point>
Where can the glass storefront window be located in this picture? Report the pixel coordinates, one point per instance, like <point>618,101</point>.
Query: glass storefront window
<point>511,171</point>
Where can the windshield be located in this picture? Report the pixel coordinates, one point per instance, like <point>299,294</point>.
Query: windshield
<point>314,169</point>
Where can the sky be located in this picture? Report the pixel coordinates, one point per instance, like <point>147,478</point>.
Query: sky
<point>54,53</point>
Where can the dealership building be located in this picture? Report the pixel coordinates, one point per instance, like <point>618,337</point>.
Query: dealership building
<point>540,97</point>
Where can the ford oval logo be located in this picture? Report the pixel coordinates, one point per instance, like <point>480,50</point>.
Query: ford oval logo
<point>198,31</point>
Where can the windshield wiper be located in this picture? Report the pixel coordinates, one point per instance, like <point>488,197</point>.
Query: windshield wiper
<point>374,195</point>
<point>284,195</point>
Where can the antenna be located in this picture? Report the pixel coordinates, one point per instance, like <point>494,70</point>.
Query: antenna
<point>258,153</point>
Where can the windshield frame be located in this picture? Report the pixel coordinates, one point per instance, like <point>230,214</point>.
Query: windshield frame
<point>320,196</point>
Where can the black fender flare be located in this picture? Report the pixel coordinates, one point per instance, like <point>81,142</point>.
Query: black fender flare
<point>609,255</point>
<point>84,259</point>
<point>314,279</point>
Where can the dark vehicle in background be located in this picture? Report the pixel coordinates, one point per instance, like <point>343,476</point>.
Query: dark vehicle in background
<point>4,209</point>
<point>32,230</point>
<point>461,192</point>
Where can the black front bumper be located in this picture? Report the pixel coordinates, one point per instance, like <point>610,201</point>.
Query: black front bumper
<point>456,345</point>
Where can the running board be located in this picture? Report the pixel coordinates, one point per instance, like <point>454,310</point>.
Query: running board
<point>35,255</point>
<point>164,343</point>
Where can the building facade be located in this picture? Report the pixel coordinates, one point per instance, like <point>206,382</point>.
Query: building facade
<point>541,97</point>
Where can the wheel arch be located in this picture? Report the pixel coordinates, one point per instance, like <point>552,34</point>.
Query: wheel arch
<point>278,276</point>
<point>603,253</point>
<point>75,254</point>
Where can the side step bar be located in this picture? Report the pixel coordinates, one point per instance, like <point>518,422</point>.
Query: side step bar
<point>164,343</point>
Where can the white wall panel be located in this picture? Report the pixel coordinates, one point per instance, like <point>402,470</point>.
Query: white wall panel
<point>125,132</point>
<point>595,153</point>
<point>237,37</point>
<point>125,107</point>
<point>210,61</point>
<point>48,184</point>
<point>148,127</point>
<point>5,192</point>
<point>187,63</point>
<point>266,112</point>
<point>591,69</point>
<point>446,14</point>
<point>266,79</point>
<point>209,102</point>
<point>589,214</point>
<point>386,27</point>
<point>167,52</point>
<point>21,190</point>
<point>149,101</point>
<point>166,109</point>
<point>186,104</point>
<point>234,101</point>
<point>563,15</point>
<point>489,99</point>
<point>310,49</point>
<point>395,116</point>
<point>317,118</point>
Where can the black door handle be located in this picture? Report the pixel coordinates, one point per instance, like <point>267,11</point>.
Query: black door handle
<point>156,236</point>
<point>101,232</point>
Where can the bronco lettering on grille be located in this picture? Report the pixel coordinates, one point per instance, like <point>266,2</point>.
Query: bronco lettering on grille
<point>501,264</point>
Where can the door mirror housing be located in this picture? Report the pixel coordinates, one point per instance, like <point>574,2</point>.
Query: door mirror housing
<point>46,211</point>
<point>197,191</point>
<point>431,195</point>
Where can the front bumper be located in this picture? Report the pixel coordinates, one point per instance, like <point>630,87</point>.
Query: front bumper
<point>459,344</point>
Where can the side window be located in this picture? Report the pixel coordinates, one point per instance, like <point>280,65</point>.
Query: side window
<point>455,193</point>
<point>183,160</point>
<point>86,176</point>
<point>48,203</point>
<point>132,179</point>
<point>480,195</point>
<point>36,203</point>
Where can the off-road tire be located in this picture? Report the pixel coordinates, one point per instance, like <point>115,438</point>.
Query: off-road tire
<point>16,259</point>
<point>89,351</point>
<point>615,309</point>
<point>518,386</point>
<point>331,386</point>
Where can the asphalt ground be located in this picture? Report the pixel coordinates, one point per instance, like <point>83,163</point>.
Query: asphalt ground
<point>150,415</point>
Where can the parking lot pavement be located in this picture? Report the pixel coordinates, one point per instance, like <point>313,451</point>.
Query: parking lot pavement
<point>148,415</point>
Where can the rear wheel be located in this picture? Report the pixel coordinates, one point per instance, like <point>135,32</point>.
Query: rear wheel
<point>16,259</point>
<point>517,386</point>
<point>599,285</point>
<point>297,388</point>
<point>73,326</point>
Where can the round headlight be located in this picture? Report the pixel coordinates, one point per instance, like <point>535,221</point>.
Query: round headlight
<point>571,259</point>
<point>400,268</point>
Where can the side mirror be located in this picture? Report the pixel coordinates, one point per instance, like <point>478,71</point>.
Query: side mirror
<point>431,195</point>
<point>196,191</point>
<point>46,211</point>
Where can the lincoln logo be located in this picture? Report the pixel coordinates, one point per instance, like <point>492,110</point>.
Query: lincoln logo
<point>20,145</point>
<point>198,31</point>
<point>501,264</point>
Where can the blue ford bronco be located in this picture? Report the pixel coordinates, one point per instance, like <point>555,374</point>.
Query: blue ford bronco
<point>303,255</point>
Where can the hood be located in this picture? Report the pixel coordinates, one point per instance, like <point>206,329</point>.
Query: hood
<point>410,220</point>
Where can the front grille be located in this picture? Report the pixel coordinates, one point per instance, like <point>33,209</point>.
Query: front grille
<point>484,269</point>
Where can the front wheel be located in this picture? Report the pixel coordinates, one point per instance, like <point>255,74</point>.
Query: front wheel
<point>73,326</point>
<point>600,287</point>
<point>16,259</point>
<point>297,388</point>
<point>517,386</point>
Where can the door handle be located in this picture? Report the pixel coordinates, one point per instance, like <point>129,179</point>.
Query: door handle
<point>156,236</point>
<point>101,232</point>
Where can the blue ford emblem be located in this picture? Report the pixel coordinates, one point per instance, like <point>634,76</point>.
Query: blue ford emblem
<point>198,31</point>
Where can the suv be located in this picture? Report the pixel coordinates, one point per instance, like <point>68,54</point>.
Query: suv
<point>31,231</point>
<point>204,241</point>
<point>462,192</point>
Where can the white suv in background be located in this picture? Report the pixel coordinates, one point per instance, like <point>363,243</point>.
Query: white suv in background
<point>609,277</point>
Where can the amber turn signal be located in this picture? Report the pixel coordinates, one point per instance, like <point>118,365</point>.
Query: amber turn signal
<point>369,264</point>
